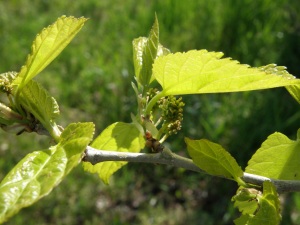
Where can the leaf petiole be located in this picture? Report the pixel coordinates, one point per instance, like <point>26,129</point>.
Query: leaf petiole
<point>153,101</point>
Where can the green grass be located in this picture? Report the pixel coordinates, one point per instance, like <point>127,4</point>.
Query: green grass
<point>91,81</point>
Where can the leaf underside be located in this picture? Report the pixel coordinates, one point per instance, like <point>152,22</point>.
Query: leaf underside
<point>123,137</point>
<point>277,158</point>
<point>213,159</point>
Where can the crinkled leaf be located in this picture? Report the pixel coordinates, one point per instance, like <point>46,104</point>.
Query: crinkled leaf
<point>123,137</point>
<point>213,159</point>
<point>277,158</point>
<point>38,101</point>
<point>47,46</point>
<point>246,200</point>
<point>39,172</point>
<point>197,72</point>
<point>268,210</point>
<point>294,90</point>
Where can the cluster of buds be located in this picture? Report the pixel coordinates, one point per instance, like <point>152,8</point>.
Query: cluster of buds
<point>5,82</point>
<point>172,113</point>
<point>10,119</point>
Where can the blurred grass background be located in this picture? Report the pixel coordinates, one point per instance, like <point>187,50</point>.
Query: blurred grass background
<point>91,82</point>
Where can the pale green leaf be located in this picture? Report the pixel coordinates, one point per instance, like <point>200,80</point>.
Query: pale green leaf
<point>277,158</point>
<point>47,46</point>
<point>74,139</point>
<point>123,137</point>
<point>281,71</point>
<point>36,100</point>
<point>197,72</point>
<point>213,159</point>
<point>39,172</point>
<point>268,210</point>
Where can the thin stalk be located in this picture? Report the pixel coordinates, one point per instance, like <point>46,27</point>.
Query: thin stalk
<point>54,131</point>
<point>153,101</point>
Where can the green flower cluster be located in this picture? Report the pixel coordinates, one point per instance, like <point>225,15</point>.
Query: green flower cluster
<point>172,113</point>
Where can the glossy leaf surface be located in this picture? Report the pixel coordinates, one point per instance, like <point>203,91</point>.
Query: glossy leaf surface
<point>123,137</point>
<point>39,172</point>
<point>47,46</point>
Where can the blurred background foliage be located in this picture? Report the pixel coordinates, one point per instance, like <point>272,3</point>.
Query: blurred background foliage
<point>91,80</point>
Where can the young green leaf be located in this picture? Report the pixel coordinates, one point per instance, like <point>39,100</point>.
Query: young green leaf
<point>38,101</point>
<point>214,159</point>
<point>47,46</point>
<point>268,208</point>
<point>139,46</point>
<point>197,72</point>
<point>39,172</point>
<point>277,158</point>
<point>246,200</point>
<point>123,137</point>
<point>144,53</point>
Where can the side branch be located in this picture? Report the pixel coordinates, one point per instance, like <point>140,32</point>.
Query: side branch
<point>167,157</point>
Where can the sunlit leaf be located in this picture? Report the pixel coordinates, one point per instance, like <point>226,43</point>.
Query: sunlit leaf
<point>47,46</point>
<point>39,102</point>
<point>281,71</point>
<point>268,210</point>
<point>39,172</point>
<point>145,51</point>
<point>277,158</point>
<point>213,159</point>
<point>139,45</point>
<point>123,137</point>
<point>197,72</point>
